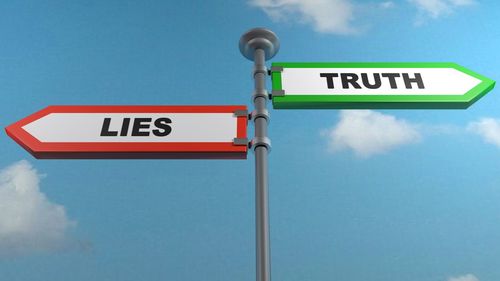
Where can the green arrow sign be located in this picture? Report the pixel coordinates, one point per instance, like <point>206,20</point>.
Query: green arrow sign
<point>376,86</point>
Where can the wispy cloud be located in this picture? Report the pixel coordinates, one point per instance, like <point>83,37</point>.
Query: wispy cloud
<point>437,8</point>
<point>29,222</point>
<point>387,4</point>
<point>488,129</point>
<point>327,16</point>
<point>468,277</point>
<point>338,16</point>
<point>368,132</point>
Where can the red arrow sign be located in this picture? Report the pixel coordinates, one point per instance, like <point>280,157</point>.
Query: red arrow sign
<point>120,132</point>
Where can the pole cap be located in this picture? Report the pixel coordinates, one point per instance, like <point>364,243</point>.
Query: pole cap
<point>259,38</point>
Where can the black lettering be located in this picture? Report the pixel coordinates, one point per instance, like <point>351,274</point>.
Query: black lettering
<point>392,79</point>
<point>367,84</point>
<point>417,79</point>
<point>105,132</point>
<point>140,123</point>
<point>162,125</point>
<point>350,78</point>
<point>329,78</point>
<point>125,125</point>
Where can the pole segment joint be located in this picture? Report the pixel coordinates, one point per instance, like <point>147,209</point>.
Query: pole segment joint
<point>260,94</point>
<point>264,113</point>
<point>260,68</point>
<point>261,141</point>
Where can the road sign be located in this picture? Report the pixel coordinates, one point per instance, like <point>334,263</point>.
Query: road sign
<point>180,132</point>
<point>376,85</point>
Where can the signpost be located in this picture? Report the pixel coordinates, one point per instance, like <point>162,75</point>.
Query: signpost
<point>182,132</point>
<point>259,45</point>
<point>376,86</point>
<point>220,132</point>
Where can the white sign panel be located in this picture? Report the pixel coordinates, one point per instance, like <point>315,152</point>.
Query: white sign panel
<point>376,81</point>
<point>134,127</point>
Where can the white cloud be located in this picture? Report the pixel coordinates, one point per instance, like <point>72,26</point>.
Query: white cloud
<point>488,128</point>
<point>468,277</point>
<point>326,16</point>
<point>29,222</point>
<point>367,132</point>
<point>387,5</point>
<point>437,8</point>
<point>338,16</point>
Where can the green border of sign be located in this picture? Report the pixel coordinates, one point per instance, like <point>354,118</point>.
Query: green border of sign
<point>378,101</point>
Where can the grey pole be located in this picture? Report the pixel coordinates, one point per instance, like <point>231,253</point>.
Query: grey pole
<point>259,45</point>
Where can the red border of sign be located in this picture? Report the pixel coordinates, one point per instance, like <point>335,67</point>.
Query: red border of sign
<point>142,150</point>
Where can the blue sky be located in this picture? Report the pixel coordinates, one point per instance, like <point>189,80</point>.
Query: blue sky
<point>419,205</point>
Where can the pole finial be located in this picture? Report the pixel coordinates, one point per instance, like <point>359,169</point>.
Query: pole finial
<point>259,38</point>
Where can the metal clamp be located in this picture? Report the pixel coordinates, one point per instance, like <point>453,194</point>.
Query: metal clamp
<point>262,113</point>
<point>276,69</point>
<point>277,93</point>
<point>240,113</point>
<point>240,141</point>
<point>261,141</point>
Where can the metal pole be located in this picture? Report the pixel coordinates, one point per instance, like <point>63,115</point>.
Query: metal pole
<point>260,45</point>
<point>261,183</point>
